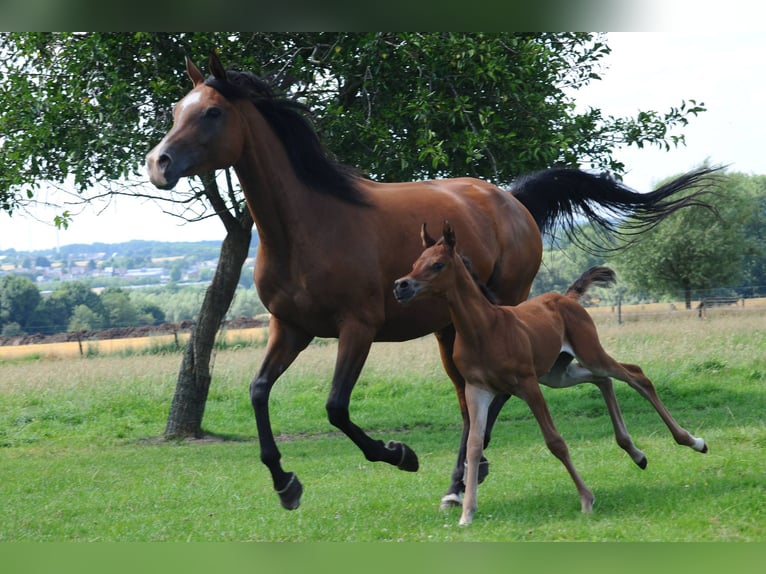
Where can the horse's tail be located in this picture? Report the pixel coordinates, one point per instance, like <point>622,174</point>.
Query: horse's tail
<point>598,276</point>
<point>556,196</point>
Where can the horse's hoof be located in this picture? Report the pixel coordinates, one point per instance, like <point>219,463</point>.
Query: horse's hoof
<point>290,495</point>
<point>409,460</point>
<point>642,463</point>
<point>451,500</point>
<point>483,470</point>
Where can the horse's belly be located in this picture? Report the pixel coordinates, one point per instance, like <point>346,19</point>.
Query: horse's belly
<point>412,323</point>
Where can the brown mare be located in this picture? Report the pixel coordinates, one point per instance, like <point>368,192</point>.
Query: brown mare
<point>504,350</point>
<point>332,242</point>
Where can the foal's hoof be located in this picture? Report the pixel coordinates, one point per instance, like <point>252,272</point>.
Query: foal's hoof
<point>642,462</point>
<point>290,495</point>
<point>409,460</point>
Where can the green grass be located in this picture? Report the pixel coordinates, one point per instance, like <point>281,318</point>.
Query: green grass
<point>80,459</point>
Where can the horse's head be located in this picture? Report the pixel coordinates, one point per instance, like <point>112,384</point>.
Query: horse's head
<point>207,132</point>
<point>433,272</point>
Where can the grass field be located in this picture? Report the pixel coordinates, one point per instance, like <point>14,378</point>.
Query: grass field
<point>81,458</point>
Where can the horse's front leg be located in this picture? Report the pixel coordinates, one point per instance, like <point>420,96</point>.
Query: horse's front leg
<point>354,342</point>
<point>453,497</point>
<point>285,343</point>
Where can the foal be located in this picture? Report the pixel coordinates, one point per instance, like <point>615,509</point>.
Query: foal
<point>505,350</point>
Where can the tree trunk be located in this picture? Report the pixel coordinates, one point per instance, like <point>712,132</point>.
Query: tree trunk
<point>188,407</point>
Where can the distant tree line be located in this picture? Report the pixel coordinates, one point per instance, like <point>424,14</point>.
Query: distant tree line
<point>75,306</point>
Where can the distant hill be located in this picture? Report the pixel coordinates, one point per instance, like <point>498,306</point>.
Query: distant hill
<point>209,249</point>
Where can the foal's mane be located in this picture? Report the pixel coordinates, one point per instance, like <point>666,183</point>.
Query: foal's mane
<point>313,166</point>
<point>486,291</point>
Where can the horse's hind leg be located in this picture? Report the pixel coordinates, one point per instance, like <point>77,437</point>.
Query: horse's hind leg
<point>453,496</point>
<point>533,396</point>
<point>285,343</point>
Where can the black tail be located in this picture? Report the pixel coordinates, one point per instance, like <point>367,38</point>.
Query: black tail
<point>595,276</point>
<point>555,197</point>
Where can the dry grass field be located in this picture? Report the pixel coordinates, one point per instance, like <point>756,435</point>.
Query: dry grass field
<point>605,315</point>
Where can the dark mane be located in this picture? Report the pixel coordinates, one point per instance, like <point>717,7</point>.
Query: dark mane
<point>288,119</point>
<point>488,294</point>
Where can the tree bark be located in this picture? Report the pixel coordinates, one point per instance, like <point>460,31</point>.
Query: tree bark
<point>194,377</point>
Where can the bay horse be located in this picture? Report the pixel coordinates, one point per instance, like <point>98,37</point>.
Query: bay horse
<point>332,242</point>
<point>505,350</point>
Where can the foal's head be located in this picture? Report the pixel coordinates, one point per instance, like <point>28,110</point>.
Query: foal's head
<point>434,271</point>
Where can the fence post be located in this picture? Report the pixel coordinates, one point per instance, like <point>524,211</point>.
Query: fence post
<point>619,308</point>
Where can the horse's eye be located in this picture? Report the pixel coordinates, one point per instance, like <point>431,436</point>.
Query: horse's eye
<point>438,266</point>
<point>213,112</point>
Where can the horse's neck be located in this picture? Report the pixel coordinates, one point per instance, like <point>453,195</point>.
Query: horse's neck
<point>274,194</point>
<point>470,310</point>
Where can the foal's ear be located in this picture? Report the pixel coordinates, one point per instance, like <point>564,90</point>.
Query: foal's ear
<point>427,240</point>
<point>194,73</point>
<point>449,235</point>
<point>216,68</point>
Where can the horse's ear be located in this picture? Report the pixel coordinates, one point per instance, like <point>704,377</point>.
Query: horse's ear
<point>428,241</point>
<point>449,235</point>
<point>196,76</point>
<point>216,68</point>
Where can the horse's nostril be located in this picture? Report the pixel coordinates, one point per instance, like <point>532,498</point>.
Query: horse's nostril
<point>163,161</point>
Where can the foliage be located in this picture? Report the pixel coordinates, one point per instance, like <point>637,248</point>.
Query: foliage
<point>19,298</point>
<point>85,107</point>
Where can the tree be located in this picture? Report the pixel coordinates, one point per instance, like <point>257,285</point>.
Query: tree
<point>695,248</point>
<point>84,319</point>
<point>55,312</point>
<point>754,273</point>
<point>19,297</point>
<point>86,107</point>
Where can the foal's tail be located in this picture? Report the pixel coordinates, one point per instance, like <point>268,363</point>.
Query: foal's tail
<point>556,197</point>
<point>598,276</point>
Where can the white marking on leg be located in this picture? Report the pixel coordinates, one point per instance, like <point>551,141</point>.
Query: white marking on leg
<point>699,444</point>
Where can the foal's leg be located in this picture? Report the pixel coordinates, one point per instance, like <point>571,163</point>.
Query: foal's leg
<point>529,390</point>
<point>354,342</point>
<point>588,350</point>
<point>453,496</point>
<point>565,374</point>
<point>478,400</point>
<point>635,377</point>
<point>285,343</point>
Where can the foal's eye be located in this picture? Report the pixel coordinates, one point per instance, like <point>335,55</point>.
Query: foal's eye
<point>438,266</point>
<point>213,112</point>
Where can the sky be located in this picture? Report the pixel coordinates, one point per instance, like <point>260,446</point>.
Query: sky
<point>645,71</point>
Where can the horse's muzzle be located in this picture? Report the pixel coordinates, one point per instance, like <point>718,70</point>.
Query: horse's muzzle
<point>157,165</point>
